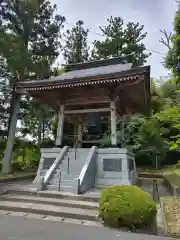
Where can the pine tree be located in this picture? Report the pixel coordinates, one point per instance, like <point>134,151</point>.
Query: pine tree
<point>29,40</point>
<point>29,43</point>
<point>4,107</point>
<point>122,40</point>
<point>76,47</point>
<point>172,60</point>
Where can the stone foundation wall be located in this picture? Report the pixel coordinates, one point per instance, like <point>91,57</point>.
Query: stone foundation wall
<point>115,166</point>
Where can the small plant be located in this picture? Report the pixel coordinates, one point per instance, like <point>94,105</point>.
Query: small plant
<point>126,206</point>
<point>178,164</point>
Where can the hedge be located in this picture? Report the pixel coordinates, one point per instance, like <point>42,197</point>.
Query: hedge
<point>126,206</point>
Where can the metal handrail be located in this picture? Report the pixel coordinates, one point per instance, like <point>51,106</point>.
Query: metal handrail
<point>68,166</point>
<point>77,143</point>
<point>75,148</point>
<point>59,183</point>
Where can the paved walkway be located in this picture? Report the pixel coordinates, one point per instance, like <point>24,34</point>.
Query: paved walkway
<point>17,228</point>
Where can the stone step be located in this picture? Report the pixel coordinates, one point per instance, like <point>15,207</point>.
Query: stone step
<point>67,180</point>
<point>73,166</point>
<point>74,170</point>
<point>63,188</point>
<point>50,201</point>
<point>79,157</point>
<point>71,155</point>
<point>65,175</point>
<point>72,183</point>
<point>52,194</point>
<point>51,218</point>
<point>52,210</point>
<point>69,176</point>
<point>79,149</point>
<point>70,180</point>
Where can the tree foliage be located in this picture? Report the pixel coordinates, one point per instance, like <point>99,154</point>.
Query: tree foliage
<point>122,40</point>
<point>172,60</point>
<point>4,106</point>
<point>170,120</point>
<point>30,32</point>
<point>76,47</point>
<point>30,42</point>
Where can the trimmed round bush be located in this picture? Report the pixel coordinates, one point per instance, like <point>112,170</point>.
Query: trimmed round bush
<point>126,206</point>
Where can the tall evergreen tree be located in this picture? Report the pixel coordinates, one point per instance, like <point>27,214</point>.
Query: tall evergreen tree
<point>29,39</point>
<point>4,107</point>
<point>29,42</point>
<point>122,40</point>
<point>76,47</point>
<point>172,60</point>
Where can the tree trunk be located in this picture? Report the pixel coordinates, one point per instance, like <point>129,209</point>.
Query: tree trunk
<point>157,162</point>
<point>43,131</point>
<point>7,159</point>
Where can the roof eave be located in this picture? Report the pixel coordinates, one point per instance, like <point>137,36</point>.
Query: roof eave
<point>124,74</point>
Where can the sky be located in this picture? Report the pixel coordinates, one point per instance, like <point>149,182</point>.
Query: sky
<point>153,14</point>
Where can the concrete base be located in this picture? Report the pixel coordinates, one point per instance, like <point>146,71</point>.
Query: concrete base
<point>115,166</point>
<point>112,166</point>
<point>48,156</point>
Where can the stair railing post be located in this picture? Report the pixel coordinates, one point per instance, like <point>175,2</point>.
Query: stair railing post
<point>59,185</point>
<point>76,145</point>
<point>75,149</point>
<point>68,166</point>
<point>75,153</point>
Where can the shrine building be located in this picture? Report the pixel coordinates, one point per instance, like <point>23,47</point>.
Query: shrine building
<point>103,89</point>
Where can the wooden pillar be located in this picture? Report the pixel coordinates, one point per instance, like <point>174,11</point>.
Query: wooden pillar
<point>75,133</point>
<point>7,159</point>
<point>113,124</point>
<point>122,135</point>
<point>59,136</point>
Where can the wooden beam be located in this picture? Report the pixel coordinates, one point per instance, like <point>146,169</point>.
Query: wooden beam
<point>87,111</point>
<point>92,141</point>
<point>86,101</point>
<point>88,91</point>
<point>125,85</point>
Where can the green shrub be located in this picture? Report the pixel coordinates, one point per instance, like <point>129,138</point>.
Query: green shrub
<point>27,158</point>
<point>178,164</point>
<point>126,206</point>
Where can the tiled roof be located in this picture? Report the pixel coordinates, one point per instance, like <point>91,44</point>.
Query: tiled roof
<point>98,75</point>
<point>95,63</point>
<point>91,72</point>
